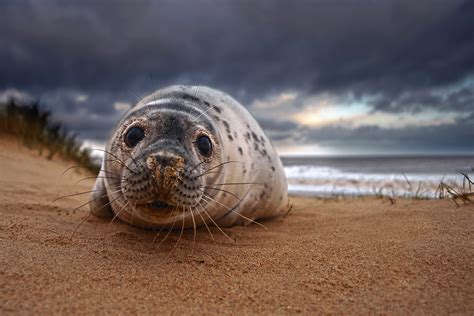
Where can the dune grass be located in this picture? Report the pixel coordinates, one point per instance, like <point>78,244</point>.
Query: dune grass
<point>33,124</point>
<point>457,193</point>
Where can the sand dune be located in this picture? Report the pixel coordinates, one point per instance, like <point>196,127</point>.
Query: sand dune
<point>330,256</point>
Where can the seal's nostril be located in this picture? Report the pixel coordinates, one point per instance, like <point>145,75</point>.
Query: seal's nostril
<point>151,163</point>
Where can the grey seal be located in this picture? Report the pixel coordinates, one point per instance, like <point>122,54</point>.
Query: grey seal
<point>186,156</point>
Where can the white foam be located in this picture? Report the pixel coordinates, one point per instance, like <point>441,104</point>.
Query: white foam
<point>326,181</point>
<point>322,173</point>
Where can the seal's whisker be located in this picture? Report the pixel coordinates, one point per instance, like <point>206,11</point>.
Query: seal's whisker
<point>131,219</point>
<point>72,167</point>
<point>214,222</point>
<point>134,161</point>
<point>153,88</point>
<point>206,173</point>
<point>222,172</point>
<point>118,213</point>
<point>200,163</point>
<point>166,236</point>
<point>75,194</point>
<point>115,160</point>
<point>142,153</point>
<point>194,226</point>
<point>133,214</point>
<point>75,209</point>
<point>197,165</point>
<point>180,234</point>
<point>116,174</point>
<point>219,165</point>
<point>162,227</point>
<point>103,177</point>
<point>232,210</point>
<point>115,216</point>
<point>238,183</point>
<point>85,219</point>
<point>99,177</point>
<point>108,152</point>
<point>217,189</point>
<point>169,231</point>
<point>78,226</point>
<point>202,218</point>
<point>157,234</point>
<point>195,119</point>
<point>83,167</point>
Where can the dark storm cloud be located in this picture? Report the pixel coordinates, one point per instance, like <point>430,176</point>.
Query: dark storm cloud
<point>278,129</point>
<point>457,137</point>
<point>245,46</point>
<point>399,51</point>
<point>278,125</point>
<point>459,100</point>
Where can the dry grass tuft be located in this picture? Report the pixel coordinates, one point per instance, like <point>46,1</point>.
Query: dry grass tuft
<point>457,193</point>
<point>36,129</point>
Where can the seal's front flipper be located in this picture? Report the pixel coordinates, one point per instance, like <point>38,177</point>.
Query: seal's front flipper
<point>99,201</point>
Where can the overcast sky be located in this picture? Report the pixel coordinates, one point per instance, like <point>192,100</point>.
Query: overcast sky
<point>322,77</point>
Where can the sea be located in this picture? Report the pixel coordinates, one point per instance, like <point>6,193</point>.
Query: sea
<point>395,176</point>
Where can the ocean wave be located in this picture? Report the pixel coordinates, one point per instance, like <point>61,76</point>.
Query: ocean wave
<point>328,181</point>
<point>328,173</point>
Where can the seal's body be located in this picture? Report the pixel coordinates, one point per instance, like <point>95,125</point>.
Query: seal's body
<point>185,156</point>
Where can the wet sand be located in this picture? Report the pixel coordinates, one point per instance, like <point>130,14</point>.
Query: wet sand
<point>327,256</point>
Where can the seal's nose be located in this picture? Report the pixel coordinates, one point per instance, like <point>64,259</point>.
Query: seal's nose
<point>166,159</point>
<point>162,160</point>
<point>166,168</point>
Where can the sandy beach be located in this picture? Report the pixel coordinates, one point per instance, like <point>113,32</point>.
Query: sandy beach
<point>356,256</point>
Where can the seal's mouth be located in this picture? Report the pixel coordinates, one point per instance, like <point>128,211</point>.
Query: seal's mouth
<point>159,205</point>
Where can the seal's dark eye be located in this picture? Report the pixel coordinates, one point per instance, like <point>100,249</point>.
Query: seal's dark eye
<point>204,145</point>
<point>134,136</point>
